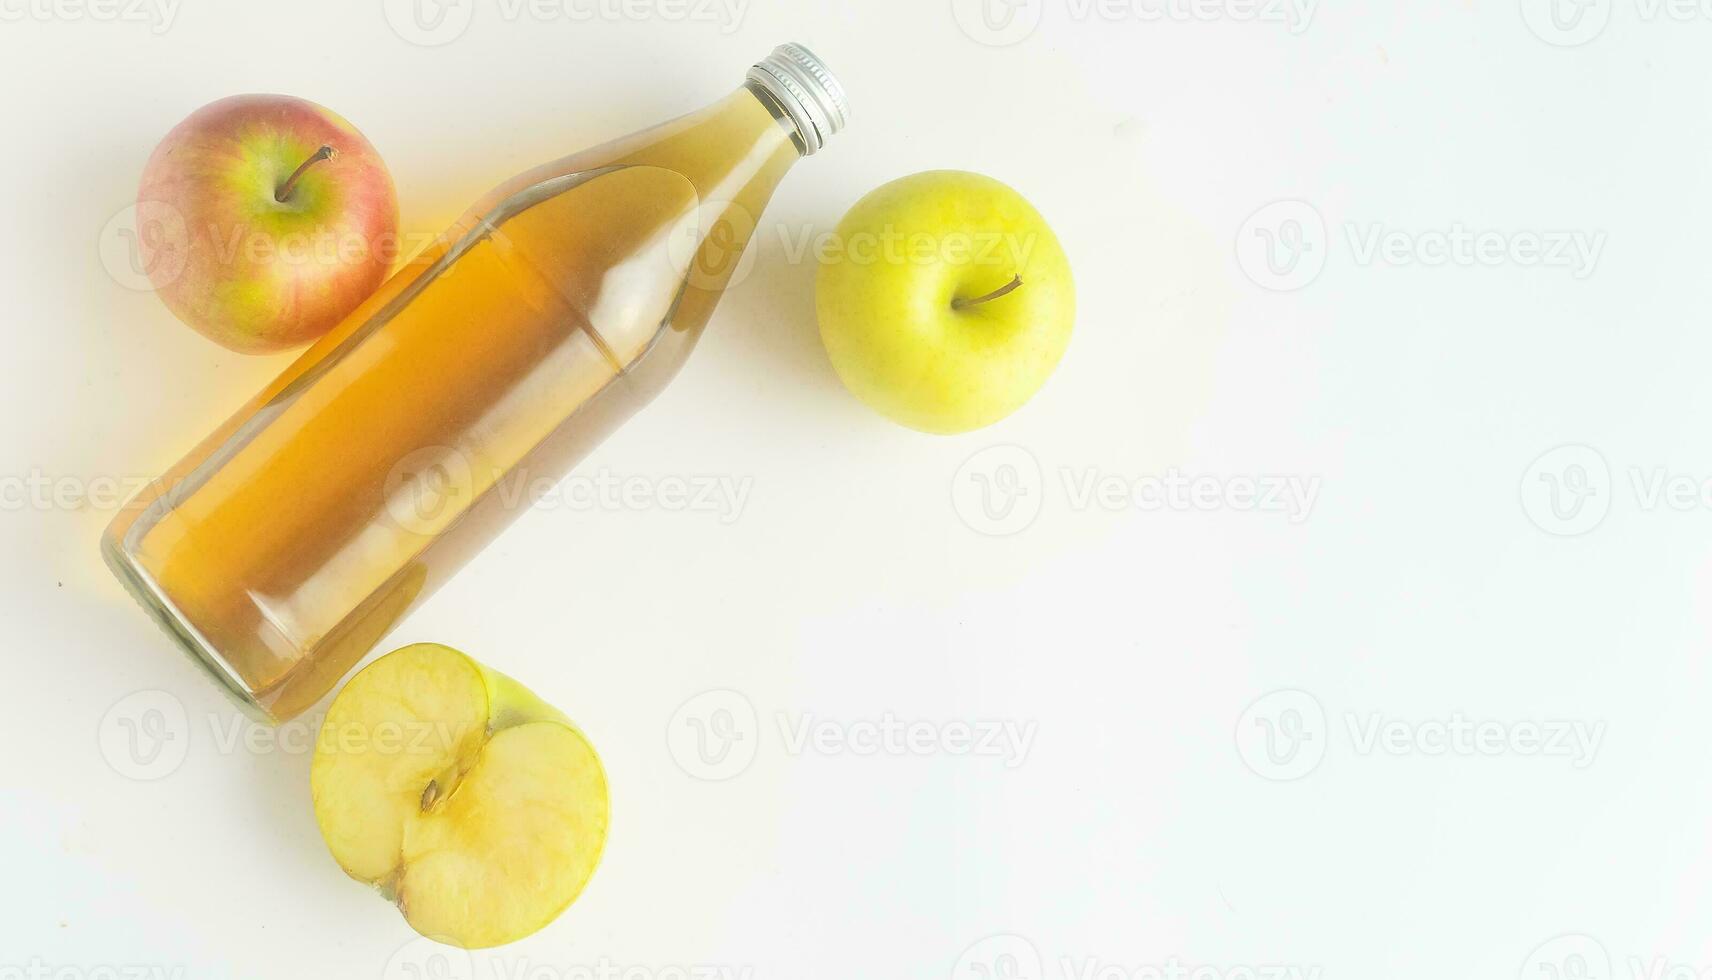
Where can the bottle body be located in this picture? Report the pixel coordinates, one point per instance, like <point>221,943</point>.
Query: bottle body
<point>292,539</point>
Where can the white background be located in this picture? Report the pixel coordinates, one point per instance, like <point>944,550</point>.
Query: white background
<point>1445,569</point>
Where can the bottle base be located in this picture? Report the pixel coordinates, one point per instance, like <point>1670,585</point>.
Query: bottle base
<point>179,629</point>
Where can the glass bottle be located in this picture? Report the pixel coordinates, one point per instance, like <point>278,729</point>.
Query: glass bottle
<point>294,537</point>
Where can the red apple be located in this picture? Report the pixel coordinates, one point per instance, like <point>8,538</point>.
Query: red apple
<point>264,219</point>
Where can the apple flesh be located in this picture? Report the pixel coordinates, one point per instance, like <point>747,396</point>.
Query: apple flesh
<point>949,303</point>
<point>478,809</point>
<point>264,219</point>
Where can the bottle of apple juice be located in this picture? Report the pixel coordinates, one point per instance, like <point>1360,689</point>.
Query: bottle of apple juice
<point>295,536</point>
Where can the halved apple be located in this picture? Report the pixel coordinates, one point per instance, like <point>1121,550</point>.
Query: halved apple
<point>478,809</point>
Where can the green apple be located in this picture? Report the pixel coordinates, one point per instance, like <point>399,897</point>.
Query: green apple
<point>477,808</point>
<point>945,301</point>
<point>264,219</point>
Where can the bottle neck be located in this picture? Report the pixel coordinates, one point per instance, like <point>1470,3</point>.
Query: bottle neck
<point>736,149</point>
<point>799,83</point>
<point>740,146</point>
<point>781,113</point>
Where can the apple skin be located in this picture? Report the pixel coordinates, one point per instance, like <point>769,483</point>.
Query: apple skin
<point>909,254</point>
<point>252,273</point>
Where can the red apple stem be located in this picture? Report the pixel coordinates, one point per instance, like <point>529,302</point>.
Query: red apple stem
<point>285,189</point>
<point>1005,290</point>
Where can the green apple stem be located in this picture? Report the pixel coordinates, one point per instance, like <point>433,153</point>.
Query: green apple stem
<point>285,189</point>
<point>1005,290</point>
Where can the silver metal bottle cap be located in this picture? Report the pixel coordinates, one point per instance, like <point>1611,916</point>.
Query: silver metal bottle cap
<point>803,85</point>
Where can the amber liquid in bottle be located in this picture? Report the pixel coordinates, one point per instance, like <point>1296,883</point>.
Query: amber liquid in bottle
<point>293,539</point>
